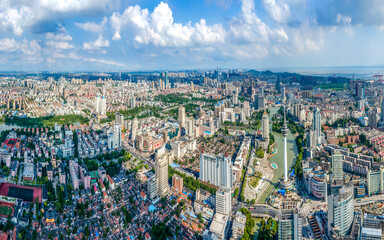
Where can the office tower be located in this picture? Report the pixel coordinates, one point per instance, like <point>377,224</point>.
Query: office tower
<point>223,201</point>
<point>162,172</point>
<point>316,125</point>
<point>216,170</point>
<point>117,133</point>
<point>192,87</point>
<point>337,165</point>
<point>265,126</point>
<point>103,106</point>
<point>340,208</point>
<point>290,225</point>
<point>97,104</point>
<point>152,186</point>
<point>134,130</point>
<point>182,116</point>
<point>177,183</point>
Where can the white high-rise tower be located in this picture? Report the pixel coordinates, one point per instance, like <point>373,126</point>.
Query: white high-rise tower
<point>285,183</point>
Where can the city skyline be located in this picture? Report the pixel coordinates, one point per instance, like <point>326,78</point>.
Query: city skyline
<point>152,35</point>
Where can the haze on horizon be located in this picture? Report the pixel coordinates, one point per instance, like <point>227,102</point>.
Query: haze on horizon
<point>103,35</point>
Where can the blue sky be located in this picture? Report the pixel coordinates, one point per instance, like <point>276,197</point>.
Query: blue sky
<point>114,35</point>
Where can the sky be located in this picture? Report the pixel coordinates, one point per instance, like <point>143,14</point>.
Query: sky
<point>133,35</point>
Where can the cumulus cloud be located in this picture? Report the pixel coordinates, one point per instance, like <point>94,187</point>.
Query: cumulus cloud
<point>41,16</point>
<point>278,10</point>
<point>159,28</point>
<point>8,45</point>
<point>60,40</point>
<point>100,42</point>
<point>93,27</point>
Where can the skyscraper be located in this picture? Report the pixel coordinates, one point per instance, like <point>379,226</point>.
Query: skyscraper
<point>103,106</point>
<point>382,111</point>
<point>337,165</point>
<point>152,186</point>
<point>162,171</point>
<point>190,126</point>
<point>97,104</point>
<point>134,130</point>
<point>265,126</point>
<point>216,170</point>
<point>316,125</point>
<point>290,225</point>
<point>182,116</point>
<point>166,80</point>
<point>117,133</point>
<point>340,208</point>
<point>223,201</point>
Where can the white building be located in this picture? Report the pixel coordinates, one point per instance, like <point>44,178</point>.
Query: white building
<point>216,170</point>
<point>223,201</point>
<point>162,172</point>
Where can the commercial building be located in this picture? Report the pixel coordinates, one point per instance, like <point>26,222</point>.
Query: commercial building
<point>152,187</point>
<point>375,181</point>
<point>340,208</point>
<point>290,225</point>
<point>223,201</point>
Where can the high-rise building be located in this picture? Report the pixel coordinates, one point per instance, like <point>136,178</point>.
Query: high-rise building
<point>134,129</point>
<point>132,101</point>
<point>182,116</point>
<point>316,125</point>
<point>166,80</point>
<point>216,170</point>
<point>97,104</point>
<point>190,126</point>
<point>223,201</point>
<point>177,183</point>
<point>152,187</point>
<point>290,225</point>
<point>382,111</point>
<point>162,171</point>
<point>337,165</point>
<point>117,133</point>
<point>340,208</point>
<point>260,102</point>
<point>372,118</point>
<point>103,106</point>
<point>119,118</point>
<point>265,126</point>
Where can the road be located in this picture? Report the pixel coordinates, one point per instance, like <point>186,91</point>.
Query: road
<point>259,209</point>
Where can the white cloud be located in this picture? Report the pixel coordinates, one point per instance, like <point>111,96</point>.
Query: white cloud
<point>93,27</point>
<point>96,45</point>
<point>41,16</point>
<point>278,10</point>
<point>60,45</point>
<point>159,28</point>
<point>8,45</point>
